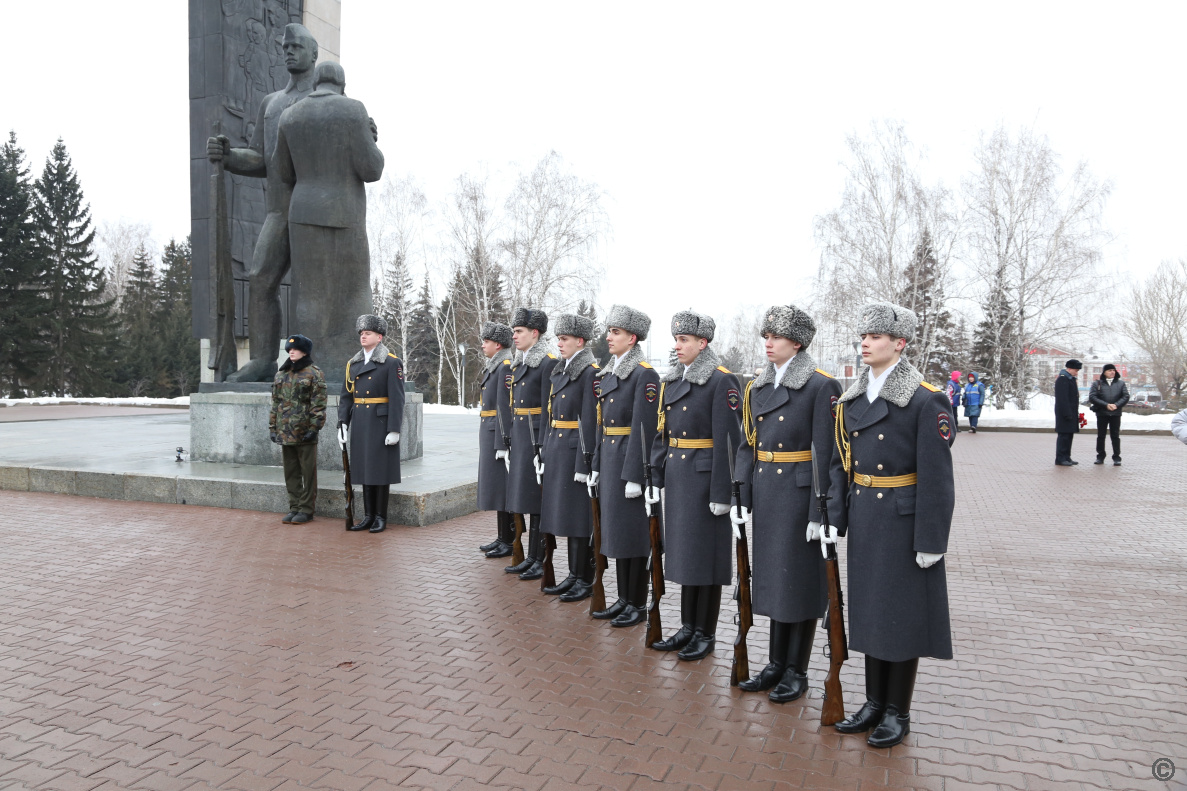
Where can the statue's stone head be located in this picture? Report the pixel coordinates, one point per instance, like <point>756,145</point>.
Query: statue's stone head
<point>300,49</point>
<point>330,76</point>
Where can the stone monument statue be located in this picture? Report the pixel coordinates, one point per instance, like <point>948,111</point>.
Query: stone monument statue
<point>325,153</point>
<point>270,259</point>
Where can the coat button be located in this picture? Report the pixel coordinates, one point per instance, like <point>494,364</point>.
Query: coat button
<point>669,409</point>
<point>856,462</point>
<point>611,421</point>
<point>879,495</point>
<point>611,442</point>
<point>611,400</point>
<point>562,395</point>
<point>879,466</point>
<point>781,418</point>
<point>683,456</point>
<point>684,433</point>
<point>684,408</point>
<point>670,455</point>
<point>855,433</point>
<point>779,470</point>
<point>781,444</point>
<point>760,419</point>
<point>760,444</point>
<point>857,491</point>
<point>879,436</point>
<point>760,469</point>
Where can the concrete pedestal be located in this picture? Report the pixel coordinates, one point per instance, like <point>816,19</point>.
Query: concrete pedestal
<point>232,428</point>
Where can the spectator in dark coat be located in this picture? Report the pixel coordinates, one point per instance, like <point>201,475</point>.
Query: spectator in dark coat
<point>1107,396</point>
<point>973,397</point>
<point>1067,412</point>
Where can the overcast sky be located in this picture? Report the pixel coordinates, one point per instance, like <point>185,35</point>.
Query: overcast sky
<point>716,130</point>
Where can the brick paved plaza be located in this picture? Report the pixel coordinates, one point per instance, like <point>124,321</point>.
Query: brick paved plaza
<point>174,647</point>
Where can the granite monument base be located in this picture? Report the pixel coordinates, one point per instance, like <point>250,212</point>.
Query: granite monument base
<point>232,428</point>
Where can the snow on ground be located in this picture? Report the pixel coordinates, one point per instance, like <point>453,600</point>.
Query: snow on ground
<point>49,401</point>
<point>1041,414</point>
<point>450,409</point>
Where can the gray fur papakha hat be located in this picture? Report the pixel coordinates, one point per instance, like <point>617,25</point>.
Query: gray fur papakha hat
<point>499,333</point>
<point>369,321</point>
<point>883,318</point>
<point>629,319</point>
<point>788,321</point>
<point>572,324</point>
<point>688,322</point>
<point>531,318</point>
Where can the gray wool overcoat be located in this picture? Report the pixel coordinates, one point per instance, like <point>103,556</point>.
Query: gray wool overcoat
<point>564,508</point>
<point>372,463</point>
<point>492,472</point>
<point>791,415</point>
<point>630,398</point>
<point>898,611</point>
<point>706,405</point>
<point>525,386</point>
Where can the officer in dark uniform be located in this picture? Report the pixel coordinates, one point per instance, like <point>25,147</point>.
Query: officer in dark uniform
<point>492,473</point>
<point>372,408</point>
<point>629,396</point>
<point>787,411</point>
<point>564,508</point>
<point>527,385</point>
<point>894,433</point>
<point>699,409</point>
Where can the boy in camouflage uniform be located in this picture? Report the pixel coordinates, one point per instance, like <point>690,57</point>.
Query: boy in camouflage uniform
<point>298,413</point>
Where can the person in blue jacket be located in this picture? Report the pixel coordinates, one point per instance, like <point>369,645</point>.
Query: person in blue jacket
<point>973,397</point>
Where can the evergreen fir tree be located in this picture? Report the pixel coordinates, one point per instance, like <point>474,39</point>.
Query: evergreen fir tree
<point>21,268</point>
<point>996,350</point>
<point>423,352</point>
<point>598,345</point>
<point>139,357</point>
<point>393,296</point>
<point>180,349</point>
<point>78,320</point>
<point>922,291</point>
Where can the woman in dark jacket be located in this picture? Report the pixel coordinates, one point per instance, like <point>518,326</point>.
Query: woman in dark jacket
<point>973,397</point>
<point>1106,397</point>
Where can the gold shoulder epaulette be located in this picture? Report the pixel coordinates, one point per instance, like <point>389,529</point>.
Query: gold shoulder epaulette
<point>551,356</point>
<point>724,370</point>
<point>394,357</point>
<point>506,362</point>
<point>595,365</point>
<point>826,373</point>
<point>645,364</point>
<point>930,387</point>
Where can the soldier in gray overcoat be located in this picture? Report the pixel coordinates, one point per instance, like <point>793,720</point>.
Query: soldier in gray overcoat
<point>492,472</point>
<point>894,437</point>
<point>700,403</point>
<point>564,506</point>
<point>786,413</point>
<point>372,408</point>
<point>628,391</point>
<point>521,409</point>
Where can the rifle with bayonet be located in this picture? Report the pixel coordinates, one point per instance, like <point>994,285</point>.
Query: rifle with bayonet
<point>597,601</point>
<point>549,578</point>
<point>349,488</point>
<point>656,562</point>
<point>745,616</point>
<point>517,519</point>
<point>833,710</point>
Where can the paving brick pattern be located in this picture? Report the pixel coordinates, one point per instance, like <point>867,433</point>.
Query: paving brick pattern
<point>172,647</point>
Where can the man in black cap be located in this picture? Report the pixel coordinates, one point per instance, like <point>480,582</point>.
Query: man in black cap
<point>492,473</point>
<point>527,386</point>
<point>1067,412</point>
<point>370,412</point>
<point>298,413</point>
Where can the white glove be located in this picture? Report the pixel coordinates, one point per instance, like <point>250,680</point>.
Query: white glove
<point>813,533</point>
<point>828,535</point>
<point>580,477</point>
<point>926,560</point>
<point>591,483</point>
<point>738,517</point>
<point>507,459</point>
<point>342,428</point>
<point>632,490</point>
<point>500,454</point>
<point>539,465</point>
<point>392,438</point>
<point>650,498</point>
<point>718,509</point>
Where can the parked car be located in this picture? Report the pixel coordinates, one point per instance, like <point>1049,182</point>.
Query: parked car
<point>1147,400</point>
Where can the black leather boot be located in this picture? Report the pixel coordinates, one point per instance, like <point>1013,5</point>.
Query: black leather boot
<point>526,563</point>
<point>564,585</point>
<point>487,547</point>
<point>368,511</point>
<point>622,575</point>
<point>380,503</point>
<point>535,569</point>
<point>634,612</point>
<point>794,683</point>
<point>582,568</point>
<point>688,621</point>
<point>870,713</point>
<point>704,640</point>
<point>769,676</point>
<point>506,536</point>
<point>896,720</point>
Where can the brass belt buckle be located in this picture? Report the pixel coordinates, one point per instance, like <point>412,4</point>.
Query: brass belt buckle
<point>863,479</point>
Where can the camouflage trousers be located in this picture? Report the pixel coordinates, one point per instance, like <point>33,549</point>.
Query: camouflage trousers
<point>300,476</point>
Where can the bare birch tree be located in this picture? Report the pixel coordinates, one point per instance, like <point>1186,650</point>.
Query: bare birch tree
<point>397,212</point>
<point>116,244</point>
<point>1156,320</point>
<point>1034,244</point>
<point>555,223</point>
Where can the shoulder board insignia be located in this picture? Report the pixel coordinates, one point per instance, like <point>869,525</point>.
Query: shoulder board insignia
<point>826,373</point>
<point>551,356</point>
<point>595,365</point>
<point>724,370</point>
<point>930,387</point>
<point>644,364</point>
<point>394,357</point>
<point>506,362</point>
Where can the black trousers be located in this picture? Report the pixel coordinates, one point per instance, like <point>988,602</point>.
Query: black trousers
<point>1063,447</point>
<point>1110,422</point>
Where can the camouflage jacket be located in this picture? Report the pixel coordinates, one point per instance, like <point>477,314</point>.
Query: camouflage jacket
<point>298,403</point>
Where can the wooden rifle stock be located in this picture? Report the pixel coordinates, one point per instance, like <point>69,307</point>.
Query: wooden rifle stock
<point>833,710</point>
<point>597,602</point>
<point>549,578</point>
<point>349,488</point>
<point>517,546</point>
<point>741,668</point>
<point>654,626</point>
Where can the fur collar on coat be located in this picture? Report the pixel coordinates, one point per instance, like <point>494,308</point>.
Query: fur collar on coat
<point>532,357</point>
<point>628,363</point>
<point>494,362</point>
<point>902,383</point>
<point>379,356</point>
<point>579,362</point>
<point>798,372</point>
<point>699,372</point>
